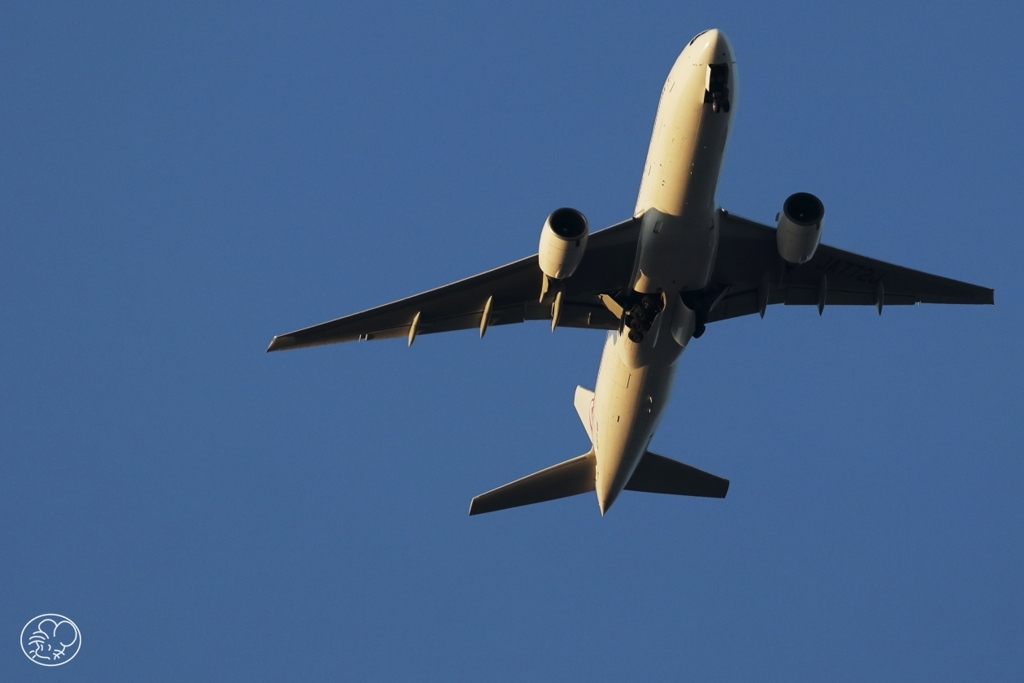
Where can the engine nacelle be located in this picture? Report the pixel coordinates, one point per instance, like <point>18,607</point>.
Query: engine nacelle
<point>799,229</point>
<point>562,243</point>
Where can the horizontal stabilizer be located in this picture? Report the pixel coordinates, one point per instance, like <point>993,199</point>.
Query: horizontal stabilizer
<point>658,474</point>
<point>568,478</point>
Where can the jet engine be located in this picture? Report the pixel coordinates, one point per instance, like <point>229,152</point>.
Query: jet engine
<point>799,227</point>
<point>562,243</point>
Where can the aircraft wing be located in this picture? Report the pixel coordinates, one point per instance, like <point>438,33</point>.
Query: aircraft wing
<point>513,291</point>
<point>749,274</point>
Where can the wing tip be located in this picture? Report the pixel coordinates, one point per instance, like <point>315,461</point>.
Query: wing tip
<point>281,342</point>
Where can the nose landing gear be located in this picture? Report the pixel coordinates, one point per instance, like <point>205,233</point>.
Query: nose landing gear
<point>717,92</point>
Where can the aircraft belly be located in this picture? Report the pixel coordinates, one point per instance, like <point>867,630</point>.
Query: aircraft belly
<point>677,192</point>
<point>676,253</point>
<point>628,403</point>
<point>688,141</point>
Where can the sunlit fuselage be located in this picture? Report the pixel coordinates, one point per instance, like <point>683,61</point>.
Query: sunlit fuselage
<point>676,253</point>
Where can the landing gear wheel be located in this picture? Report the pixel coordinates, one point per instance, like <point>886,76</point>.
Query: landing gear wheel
<point>636,336</point>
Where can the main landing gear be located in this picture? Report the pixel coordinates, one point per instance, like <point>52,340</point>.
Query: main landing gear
<point>639,311</point>
<point>700,303</point>
<point>640,317</point>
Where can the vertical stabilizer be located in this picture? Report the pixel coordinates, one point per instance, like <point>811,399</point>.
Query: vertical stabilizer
<point>584,402</point>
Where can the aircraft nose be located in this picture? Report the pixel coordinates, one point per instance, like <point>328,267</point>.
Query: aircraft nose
<point>713,46</point>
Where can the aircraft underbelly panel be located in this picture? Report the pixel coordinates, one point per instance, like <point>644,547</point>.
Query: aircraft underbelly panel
<point>688,141</point>
<point>628,403</point>
<point>676,201</point>
<point>676,253</point>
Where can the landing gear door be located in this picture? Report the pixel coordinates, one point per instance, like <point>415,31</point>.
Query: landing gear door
<point>716,87</point>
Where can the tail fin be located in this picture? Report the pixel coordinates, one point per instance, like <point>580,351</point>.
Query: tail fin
<point>658,474</point>
<point>568,478</point>
<point>584,402</point>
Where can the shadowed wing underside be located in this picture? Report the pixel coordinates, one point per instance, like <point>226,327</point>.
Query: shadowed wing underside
<point>515,289</point>
<point>749,274</point>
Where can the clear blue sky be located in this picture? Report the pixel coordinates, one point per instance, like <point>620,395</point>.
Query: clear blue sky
<point>180,183</point>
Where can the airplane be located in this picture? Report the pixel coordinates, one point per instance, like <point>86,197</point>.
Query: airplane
<point>653,282</point>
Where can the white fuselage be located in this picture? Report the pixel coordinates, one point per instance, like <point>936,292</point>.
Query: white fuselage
<point>676,253</point>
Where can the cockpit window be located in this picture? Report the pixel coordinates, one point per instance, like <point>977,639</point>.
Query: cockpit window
<point>696,37</point>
